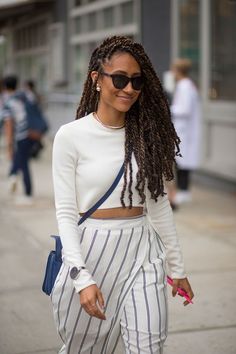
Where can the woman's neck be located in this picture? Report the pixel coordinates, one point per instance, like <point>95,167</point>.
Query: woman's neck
<point>110,116</point>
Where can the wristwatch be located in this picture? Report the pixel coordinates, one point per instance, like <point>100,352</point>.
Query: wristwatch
<point>74,272</point>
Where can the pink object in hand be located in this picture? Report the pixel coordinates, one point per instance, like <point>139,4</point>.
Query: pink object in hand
<point>180,291</point>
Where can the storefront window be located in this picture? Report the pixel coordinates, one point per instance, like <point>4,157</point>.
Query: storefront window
<point>3,53</point>
<point>31,36</point>
<point>78,3</point>
<point>91,47</point>
<point>127,13</point>
<point>81,63</point>
<point>223,50</point>
<point>189,16</point>
<point>108,17</point>
<point>83,2</point>
<point>33,66</point>
<point>78,25</point>
<point>92,18</point>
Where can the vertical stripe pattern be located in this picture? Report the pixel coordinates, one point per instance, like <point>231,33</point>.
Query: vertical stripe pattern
<point>127,261</point>
<point>143,321</point>
<point>126,287</point>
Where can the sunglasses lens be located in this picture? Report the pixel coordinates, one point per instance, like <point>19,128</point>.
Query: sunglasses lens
<point>137,83</point>
<point>120,81</point>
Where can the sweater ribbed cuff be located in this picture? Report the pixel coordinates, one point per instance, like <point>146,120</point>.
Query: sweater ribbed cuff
<point>84,280</point>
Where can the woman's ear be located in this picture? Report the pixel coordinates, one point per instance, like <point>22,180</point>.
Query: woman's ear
<point>94,76</point>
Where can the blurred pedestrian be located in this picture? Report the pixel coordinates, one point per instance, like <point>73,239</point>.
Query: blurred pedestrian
<point>3,97</point>
<point>37,121</point>
<point>1,105</point>
<point>1,94</point>
<point>14,115</point>
<point>116,260</point>
<point>31,92</point>
<point>186,118</point>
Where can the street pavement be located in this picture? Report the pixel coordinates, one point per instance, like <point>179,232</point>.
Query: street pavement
<point>207,232</point>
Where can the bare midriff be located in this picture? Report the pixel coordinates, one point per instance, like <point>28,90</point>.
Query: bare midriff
<point>116,212</point>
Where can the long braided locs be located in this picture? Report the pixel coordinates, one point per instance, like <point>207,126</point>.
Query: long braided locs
<point>149,132</point>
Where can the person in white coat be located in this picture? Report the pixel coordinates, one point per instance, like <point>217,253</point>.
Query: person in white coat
<point>186,118</point>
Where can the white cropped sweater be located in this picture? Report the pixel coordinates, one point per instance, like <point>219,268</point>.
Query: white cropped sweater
<point>86,159</point>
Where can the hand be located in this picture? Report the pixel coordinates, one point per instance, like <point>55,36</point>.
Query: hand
<point>88,300</point>
<point>183,284</point>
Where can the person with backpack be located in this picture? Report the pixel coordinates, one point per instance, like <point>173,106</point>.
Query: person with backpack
<point>37,122</point>
<point>16,128</point>
<point>25,126</point>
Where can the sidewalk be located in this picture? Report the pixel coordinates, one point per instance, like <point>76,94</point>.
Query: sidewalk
<point>207,231</point>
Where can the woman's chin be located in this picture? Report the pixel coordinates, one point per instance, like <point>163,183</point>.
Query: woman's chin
<point>123,107</point>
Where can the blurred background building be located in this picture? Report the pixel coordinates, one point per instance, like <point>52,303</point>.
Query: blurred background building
<point>51,41</point>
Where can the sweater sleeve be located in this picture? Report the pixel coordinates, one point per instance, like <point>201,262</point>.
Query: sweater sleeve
<point>160,216</point>
<point>64,162</point>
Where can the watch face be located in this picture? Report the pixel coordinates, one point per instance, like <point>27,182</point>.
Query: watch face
<point>74,272</point>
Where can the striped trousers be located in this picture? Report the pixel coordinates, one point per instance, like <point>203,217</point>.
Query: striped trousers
<point>126,258</point>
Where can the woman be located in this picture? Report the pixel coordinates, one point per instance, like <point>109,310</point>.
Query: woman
<point>118,254</point>
<point>186,118</point>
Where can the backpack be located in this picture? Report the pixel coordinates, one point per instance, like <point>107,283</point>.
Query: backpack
<point>37,123</point>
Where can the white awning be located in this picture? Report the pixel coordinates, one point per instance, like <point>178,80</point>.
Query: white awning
<point>12,3</point>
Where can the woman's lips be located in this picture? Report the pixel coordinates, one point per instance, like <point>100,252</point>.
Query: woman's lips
<point>125,98</point>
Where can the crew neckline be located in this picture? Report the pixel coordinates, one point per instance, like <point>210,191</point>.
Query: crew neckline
<point>103,127</point>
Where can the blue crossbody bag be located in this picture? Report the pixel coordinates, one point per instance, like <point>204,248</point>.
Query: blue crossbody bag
<point>54,260</point>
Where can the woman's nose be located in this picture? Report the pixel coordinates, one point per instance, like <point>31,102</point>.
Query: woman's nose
<point>128,88</point>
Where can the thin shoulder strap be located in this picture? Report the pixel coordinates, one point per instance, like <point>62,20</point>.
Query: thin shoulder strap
<point>104,197</point>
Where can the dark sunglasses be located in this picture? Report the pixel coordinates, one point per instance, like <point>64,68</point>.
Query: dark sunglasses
<point>121,81</point>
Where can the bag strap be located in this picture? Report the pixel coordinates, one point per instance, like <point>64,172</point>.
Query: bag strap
<point>58,247</point>
<point>104,197</point>
<point>91,210</point>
